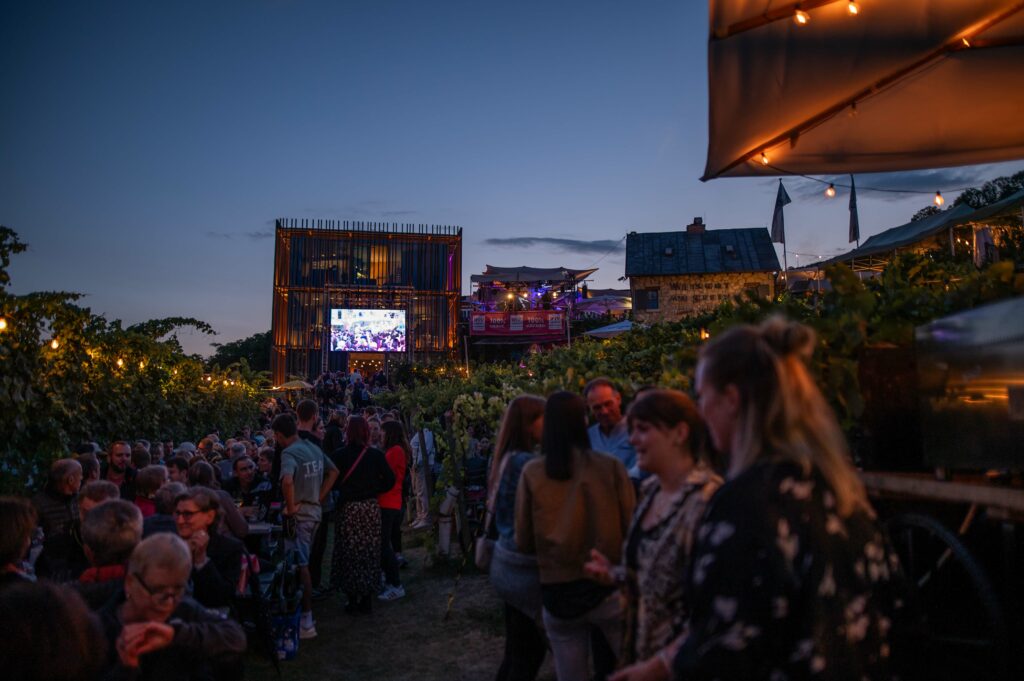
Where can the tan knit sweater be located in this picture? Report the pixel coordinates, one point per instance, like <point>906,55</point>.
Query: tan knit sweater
<point>562,520</point>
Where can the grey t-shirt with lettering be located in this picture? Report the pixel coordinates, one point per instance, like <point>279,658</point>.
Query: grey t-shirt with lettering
<point>306,464</point>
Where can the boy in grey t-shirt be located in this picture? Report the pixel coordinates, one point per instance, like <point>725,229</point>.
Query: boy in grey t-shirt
<point>306,478</point>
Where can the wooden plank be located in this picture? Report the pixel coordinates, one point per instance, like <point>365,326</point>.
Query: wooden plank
<point>927,488</point>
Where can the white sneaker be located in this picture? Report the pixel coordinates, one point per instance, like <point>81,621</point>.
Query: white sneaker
<point>307,632</point>
<point>392,593</point>
<point>422,524</point>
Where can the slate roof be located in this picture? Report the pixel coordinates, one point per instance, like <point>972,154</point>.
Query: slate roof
<point>713,251</point>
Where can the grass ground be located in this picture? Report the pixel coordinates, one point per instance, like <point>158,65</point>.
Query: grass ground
<point>408,639</point>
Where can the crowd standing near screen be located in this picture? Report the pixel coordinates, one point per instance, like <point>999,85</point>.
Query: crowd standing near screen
<point>641,539</point>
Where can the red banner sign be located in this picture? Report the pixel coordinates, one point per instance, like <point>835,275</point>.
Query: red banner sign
<point>529,323</point>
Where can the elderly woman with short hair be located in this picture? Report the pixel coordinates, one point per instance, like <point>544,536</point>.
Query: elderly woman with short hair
<point>216,557</point>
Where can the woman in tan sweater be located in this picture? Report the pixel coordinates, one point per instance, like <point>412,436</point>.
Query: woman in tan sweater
<point>570,501</point>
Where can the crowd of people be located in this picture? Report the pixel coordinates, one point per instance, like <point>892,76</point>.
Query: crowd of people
<point>729,538</point>
<point>153,550</point>
<point>364,339</point>
<point>723,538</point>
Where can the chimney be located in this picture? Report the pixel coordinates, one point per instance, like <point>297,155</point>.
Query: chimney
<point>697,227</point>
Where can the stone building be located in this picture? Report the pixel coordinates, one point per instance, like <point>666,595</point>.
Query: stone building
<point>680,274</point>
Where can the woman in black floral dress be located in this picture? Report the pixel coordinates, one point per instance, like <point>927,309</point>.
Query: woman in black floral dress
<point>791,577</point>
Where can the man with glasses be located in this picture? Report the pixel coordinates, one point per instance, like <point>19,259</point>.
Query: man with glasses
<point>156,630</point>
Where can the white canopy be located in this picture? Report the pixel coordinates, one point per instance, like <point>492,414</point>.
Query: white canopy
<point>611,331</point>
<point>900,85</point>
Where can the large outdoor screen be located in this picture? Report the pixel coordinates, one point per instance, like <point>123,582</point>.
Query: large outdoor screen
<point>367,330</point>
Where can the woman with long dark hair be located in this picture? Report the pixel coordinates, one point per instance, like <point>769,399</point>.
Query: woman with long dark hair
<point>513,574</point>
<point>363,473</point>
<point>791,576</point>
<point>570,501</point>
<point>398,454</point>
<point>669,437</point>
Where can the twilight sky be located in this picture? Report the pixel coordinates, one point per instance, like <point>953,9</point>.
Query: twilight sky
<point>146,147</point>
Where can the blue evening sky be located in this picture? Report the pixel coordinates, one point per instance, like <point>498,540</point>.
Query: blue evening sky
<point>146,147</point>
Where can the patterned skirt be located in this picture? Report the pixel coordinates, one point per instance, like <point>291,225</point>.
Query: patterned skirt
<point>355,561</point>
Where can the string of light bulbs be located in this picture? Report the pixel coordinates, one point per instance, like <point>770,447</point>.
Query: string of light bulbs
<point>830,191</point>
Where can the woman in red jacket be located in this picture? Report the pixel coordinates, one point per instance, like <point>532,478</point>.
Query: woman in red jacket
<point>398,454</point>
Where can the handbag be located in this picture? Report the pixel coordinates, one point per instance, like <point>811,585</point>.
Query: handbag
<point>483,550</point>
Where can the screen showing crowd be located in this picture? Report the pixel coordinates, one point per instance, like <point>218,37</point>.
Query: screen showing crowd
<point>367,330</point>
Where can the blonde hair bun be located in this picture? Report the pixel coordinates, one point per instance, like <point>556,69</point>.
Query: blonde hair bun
<point>788,338</point>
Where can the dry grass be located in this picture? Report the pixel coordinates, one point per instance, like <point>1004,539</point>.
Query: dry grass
<point>409,639</point>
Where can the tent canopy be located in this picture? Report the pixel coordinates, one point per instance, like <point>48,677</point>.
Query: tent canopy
<point>611,330</point>
<point>899,86</point>
<point>529,274</point>
<point>913,232</point>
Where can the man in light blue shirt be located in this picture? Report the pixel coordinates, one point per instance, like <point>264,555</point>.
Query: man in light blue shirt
<point>610,432</point>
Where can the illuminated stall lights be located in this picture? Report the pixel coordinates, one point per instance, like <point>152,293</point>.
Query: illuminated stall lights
<point>54,344</point>
<point>3,324</point>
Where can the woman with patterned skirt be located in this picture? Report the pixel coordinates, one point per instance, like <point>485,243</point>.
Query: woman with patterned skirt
<point>363,474</point>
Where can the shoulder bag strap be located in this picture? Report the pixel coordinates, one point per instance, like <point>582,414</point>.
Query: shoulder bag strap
<point>354,464</point>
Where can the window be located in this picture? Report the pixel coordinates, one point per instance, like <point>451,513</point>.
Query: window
<point>646,299</point>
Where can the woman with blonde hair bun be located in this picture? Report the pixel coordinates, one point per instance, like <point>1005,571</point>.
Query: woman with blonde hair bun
<point>791,577</point>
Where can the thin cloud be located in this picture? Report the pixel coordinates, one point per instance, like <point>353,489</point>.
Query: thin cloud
<point>255,236</point>
<point>568,245</point>
<point>398,213</point>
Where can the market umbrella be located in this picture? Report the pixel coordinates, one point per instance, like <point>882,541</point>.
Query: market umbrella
<point>611,330</point>
<point>895,86</point>
<point>295,385</point>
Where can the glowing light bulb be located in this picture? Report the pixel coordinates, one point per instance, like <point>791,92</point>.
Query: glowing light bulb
<point>142,365</point>
<point>831,191</point>
<point>120,362</point>
<point>853,8</point>
<point>966,42</point>
<point>3,324</point>
<point>801,17</point>
<point>54,344</point>
<point>764,159</point>
<point>938,199</point>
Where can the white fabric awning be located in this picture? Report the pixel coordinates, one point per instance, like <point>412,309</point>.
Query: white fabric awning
<point>901,85</point>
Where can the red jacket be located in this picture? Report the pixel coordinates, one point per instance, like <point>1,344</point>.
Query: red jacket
<point>393,497</point>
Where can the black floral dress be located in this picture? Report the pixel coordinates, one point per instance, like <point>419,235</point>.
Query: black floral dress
<point>783,588</point>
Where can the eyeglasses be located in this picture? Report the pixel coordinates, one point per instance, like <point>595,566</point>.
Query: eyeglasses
<point>161,596</point>
<point>187,515</point>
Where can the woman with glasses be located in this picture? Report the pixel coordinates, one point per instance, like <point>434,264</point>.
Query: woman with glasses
<point>216,557</point>
<point>143,644</point>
